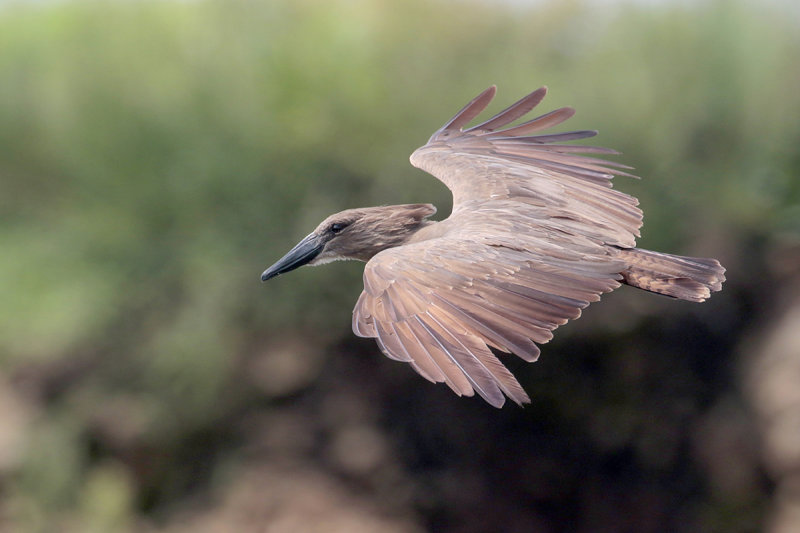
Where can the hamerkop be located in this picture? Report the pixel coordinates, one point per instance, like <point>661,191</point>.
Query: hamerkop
<point>536,234</point>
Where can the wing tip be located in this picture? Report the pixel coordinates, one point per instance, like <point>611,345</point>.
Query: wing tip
<point>469,111</point>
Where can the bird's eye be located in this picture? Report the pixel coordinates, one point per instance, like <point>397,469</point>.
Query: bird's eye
<point>336,227</point>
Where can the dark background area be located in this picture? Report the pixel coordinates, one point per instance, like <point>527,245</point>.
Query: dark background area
<point>155,157</point>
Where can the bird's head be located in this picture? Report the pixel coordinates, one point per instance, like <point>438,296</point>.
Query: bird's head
<point>354,234</point>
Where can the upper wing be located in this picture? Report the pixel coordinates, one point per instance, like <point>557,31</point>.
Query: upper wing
<point>524,250</point>
<point>484,163</point>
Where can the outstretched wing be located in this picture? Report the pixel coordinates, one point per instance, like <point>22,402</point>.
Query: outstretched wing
<point>440,304</point>
<point>488,162</point>
<point>525,249</point>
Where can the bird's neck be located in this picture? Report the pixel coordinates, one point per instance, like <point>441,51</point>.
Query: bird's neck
<point>393,239</point>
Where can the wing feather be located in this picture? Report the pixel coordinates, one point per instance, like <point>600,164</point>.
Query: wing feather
<point>498,375</point>
<point>503,338</point>
<point>548,120</point>
<point>512,112</point>
<point>389,343</point>
<point>556,137</point>
<point>469,111</point>
<point>456,379</point>
<point>478,378</point>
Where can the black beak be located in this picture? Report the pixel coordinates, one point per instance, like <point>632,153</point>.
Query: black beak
<point>301,254</point>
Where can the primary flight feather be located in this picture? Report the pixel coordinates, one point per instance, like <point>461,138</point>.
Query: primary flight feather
<point>536,234</point>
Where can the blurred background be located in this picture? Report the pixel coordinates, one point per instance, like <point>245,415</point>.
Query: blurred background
<point>156,156</point>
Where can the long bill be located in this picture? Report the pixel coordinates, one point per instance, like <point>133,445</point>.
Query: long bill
<point>303,253</point>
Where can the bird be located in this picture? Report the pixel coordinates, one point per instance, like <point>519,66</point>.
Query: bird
<point>535,235</point>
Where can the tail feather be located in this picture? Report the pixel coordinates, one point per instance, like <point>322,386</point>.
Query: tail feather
<point>686,278</point>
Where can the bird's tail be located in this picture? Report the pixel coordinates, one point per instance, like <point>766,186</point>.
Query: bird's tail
<point>687,278</point>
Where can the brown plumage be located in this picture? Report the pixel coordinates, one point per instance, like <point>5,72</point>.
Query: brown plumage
<point>536,234</point>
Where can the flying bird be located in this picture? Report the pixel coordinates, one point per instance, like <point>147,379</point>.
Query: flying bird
<point>536,234</point>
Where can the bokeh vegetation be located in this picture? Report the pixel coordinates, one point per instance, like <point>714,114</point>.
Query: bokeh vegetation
<point>155,157</point>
